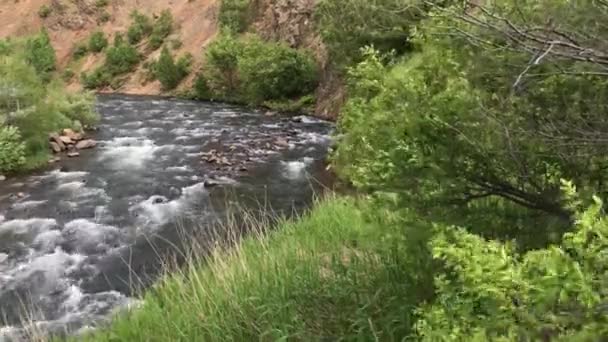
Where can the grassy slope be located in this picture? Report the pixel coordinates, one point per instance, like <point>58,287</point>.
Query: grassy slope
<point>328,276</point>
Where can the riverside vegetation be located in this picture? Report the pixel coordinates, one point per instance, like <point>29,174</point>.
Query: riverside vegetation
<point>34,103</point>
<point>475,133</point>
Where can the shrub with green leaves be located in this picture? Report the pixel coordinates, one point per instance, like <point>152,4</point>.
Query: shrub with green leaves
<point>169,73</point>
<point>44,11</point>
<point>254,71</point>
<point>40,54</point>
<point>141,27</point>
<point>101,3</point>
<point>234,15</point>
<point>80,50</point>
<point>270,71</point>
<point>12,149</point>
<point>121,58</point>
<point>161,29</point>
<point>97,42</point>
<point>487,291</point>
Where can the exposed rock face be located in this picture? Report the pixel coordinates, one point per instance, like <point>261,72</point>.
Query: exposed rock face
<point>291,21</point>
<point>55,147</point>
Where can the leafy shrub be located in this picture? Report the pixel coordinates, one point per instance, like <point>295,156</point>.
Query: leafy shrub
<point>275,71</point>
<point>176,44</point>
<point>12,149</point>
<point>348,25</point>
<point>99,78</point>
<point>488,291</point>
<point>97,41</point>
<point>44,11</point>
<point>221,64</point>
<point>233,15</point>
<point>67,75</point>
<point>162,29</point>
<point>140,27</point>
<point>255,71</point>
<point>101,3</point>
<point>201,90</point>
<point>168,72</point>
<point>79,51</point>
<point>121,58</point>
<point>40,54</point>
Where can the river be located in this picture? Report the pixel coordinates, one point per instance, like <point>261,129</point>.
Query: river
<point>76,237</point>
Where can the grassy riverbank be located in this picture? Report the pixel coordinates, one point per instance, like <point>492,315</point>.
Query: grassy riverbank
<point>333,274</point>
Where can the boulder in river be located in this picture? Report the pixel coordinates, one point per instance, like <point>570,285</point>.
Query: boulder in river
<point>66,140</point>
<point>85,144</point>
<point>55,147</point>
<point>55,138</point>
<point>2,178</point>
<point>74,136</point>
<point>73,154</point>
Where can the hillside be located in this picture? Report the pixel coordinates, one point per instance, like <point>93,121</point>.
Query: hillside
<point>70,22</point>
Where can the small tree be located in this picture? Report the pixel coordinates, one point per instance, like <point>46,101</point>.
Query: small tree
<point>168,72</point>
<point>97,42</point>
<point>40,54</point>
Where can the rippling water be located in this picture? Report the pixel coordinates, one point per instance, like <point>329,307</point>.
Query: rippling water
<point>72,239</point>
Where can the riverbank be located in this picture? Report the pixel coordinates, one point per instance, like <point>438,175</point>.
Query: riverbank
<point>333,274</point>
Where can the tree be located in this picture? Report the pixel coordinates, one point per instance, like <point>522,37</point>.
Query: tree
<point>167,72</point>
<point>39,53</point>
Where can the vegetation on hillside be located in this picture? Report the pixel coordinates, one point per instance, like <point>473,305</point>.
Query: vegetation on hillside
<point>253,71</point>
<point>169,72</point>
<point>34,103</point>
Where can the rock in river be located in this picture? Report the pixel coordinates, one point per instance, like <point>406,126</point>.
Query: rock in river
<point>85,144</point>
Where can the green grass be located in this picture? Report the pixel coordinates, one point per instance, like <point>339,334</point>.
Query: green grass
<point>331,275</point>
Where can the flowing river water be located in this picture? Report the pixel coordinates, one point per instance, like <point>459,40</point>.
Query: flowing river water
<point>73,238</point>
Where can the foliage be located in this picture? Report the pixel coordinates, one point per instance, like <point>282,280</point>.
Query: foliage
<point>99,78</point>
<point>140,27</point>
<point>35,108</point>
<point>12,149</point>
<point>44,11</point>
<point>445,126</point>
<point>348,25</point>
<point>162,29</point>
<point>79,51</point>
<point>104,17</point>
<point>275,71</point>
<point>97,42</point>
<point>40,54</point>
<point>101,3</point>
<point>201,90</point>
<point>254,71</point>
<point>489,292</point>
<point>169,73</point>
<point>234,15</point>
<point>121,58</point>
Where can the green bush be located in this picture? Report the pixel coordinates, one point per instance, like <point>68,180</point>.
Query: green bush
<point>140,27</point>
<point>255,71</point>
<point>37,107</point>
<point>490,292</point>
<point>99,78</point>
<point>349,25</point>
<point>67,75</point>
<point>40,54</point>
<point>221,65</point>
<point>201,90</point>
<point>12,149</point>
<point>168,72</point>
<point>79,51</point>
<point>97,41</point>
<point>162,29</point>
<point>121,58</point>
<point>234,15</point>
<point>44,11</point>
<point>101,3</point>
<point>270,71</point>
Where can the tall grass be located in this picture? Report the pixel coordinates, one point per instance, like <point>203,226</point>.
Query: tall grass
<point>331,275</point>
